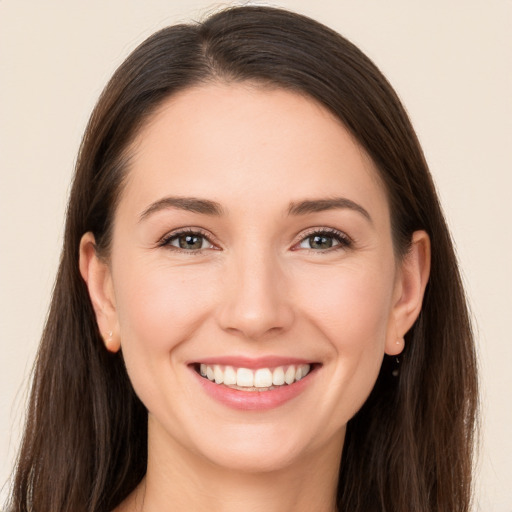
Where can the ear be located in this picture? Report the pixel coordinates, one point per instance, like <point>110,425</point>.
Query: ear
<point>412,279</point>
<point>97,276</point>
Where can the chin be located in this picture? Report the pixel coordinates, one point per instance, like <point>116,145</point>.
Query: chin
<point>254,450</point>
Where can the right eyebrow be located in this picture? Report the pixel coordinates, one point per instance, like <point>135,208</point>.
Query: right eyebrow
<point>191,204</point>
<point>321,205</point>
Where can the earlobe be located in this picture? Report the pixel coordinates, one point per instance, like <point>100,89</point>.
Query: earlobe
<point>410,289</point>
<point>395,345</point>
<point>97,276</point>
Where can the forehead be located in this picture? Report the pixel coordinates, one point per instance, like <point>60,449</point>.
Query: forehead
<point>231,141</point>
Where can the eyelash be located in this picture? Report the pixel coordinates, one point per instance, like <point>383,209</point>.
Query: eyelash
<point>343,241</point>
<point>175,235</point>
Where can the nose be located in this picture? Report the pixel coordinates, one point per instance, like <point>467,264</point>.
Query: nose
<point>256,301</point>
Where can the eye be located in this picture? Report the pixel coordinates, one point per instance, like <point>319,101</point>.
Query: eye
<point>187,241</point>
<point>324,240</point>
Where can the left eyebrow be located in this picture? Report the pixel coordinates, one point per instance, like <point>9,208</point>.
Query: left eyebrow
<point>321,205</point>
<point>191,204</point>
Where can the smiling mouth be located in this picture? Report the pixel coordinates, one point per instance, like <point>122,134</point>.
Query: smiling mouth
<point>260,379</point>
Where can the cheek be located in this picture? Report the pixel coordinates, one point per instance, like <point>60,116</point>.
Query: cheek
<point>350,309</point>
<point>350,312</point>
<point>351,305</point>
<point>158,306</point>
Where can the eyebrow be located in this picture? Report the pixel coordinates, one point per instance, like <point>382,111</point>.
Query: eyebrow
<point>321,205</point>
<point>208,207</point>
<point>191,204</point>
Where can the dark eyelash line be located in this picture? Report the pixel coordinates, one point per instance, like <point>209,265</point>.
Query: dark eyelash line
<point>345,242</point>
<point>343,238</point>
<point>165,240</point>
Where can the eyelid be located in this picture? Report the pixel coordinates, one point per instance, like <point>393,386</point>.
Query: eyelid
<point>345,241</point>
<point>189,230</point>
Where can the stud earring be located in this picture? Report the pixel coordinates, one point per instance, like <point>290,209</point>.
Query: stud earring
<point>109,341</point>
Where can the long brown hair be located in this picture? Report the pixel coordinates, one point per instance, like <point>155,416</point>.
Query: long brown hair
<point>410,446</point>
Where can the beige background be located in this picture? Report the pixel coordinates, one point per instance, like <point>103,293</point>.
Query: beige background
<point>450,61</point>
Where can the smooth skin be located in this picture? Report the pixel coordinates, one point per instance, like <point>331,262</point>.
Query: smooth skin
<point>260,274</point>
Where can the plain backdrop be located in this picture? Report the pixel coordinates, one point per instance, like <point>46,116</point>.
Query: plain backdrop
<point>450,62</point>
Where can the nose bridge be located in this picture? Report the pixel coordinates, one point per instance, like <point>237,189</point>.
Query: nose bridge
<point>255,302</point>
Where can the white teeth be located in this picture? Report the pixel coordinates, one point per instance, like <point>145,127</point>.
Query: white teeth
<point>289,376</point>
<point>261,379</point>
<point>229,376</point>
<point>218,374</point>
<point>245,377</point>
<point>302,371</point>
<point>278,376</point>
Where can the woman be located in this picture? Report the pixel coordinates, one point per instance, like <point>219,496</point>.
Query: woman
<point>258,302</point>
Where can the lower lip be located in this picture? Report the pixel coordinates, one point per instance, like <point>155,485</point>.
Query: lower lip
<point>255,400</point>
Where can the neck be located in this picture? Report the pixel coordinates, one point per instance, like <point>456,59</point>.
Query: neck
<point>179,481</point>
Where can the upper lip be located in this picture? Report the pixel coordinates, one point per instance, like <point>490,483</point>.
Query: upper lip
<point>252,362</point>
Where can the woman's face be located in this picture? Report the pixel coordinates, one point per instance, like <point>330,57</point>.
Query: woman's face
<point>253,233</point>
